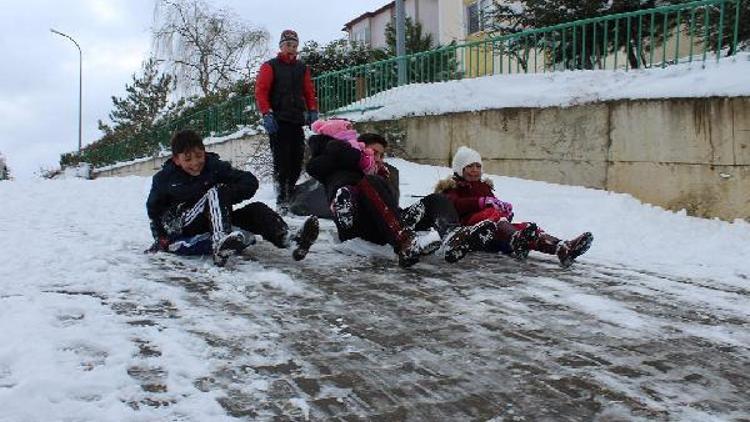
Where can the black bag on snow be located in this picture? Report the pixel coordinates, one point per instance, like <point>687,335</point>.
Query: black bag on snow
<point>309,197</point>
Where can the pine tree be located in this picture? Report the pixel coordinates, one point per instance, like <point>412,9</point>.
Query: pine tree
<point>336,55</point>
<point>415,40</point>
<point>146,98</point>
<point>440,67</point>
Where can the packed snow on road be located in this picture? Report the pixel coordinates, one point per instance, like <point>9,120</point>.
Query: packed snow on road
<point>651,323</point>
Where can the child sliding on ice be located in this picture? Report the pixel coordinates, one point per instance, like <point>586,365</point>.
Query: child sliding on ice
<point>365,203</point>
<point>190,207</point>
<point>475,201</point>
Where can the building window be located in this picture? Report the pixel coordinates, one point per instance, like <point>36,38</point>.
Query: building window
<point>361,35</point>
<point>477,16</point>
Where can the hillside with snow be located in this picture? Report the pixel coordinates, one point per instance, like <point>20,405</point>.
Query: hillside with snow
<point>651,323</point>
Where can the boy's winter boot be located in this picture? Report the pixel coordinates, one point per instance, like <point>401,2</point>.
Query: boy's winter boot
<point>413,214</point>
<point>343,213</point>
<point>458,242</point>
<point>522,241</point>
<point>228,245</point>
<point>482,234</point>
<point>429,243</point>
<point>547,244</point>
<point>569,250</point>
<point>407,249</point>
<point>305,237</point>
<point>282,199</point>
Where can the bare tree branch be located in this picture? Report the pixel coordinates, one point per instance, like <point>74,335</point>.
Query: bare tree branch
<point>205,50</point>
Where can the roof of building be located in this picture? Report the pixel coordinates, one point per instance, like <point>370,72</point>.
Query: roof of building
<point>367,15</point>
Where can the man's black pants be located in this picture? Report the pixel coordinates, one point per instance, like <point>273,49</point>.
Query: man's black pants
<point>288,149</point>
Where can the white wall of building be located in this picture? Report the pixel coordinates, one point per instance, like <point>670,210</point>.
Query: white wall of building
<point>428,13</point>
<point>450,21</point>
<point>443,19</point>
<point>377,28</point>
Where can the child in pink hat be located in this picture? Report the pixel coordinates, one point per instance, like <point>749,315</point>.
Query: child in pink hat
<point>343,130</point>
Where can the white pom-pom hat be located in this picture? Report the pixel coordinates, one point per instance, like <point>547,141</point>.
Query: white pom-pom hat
<point>465,156</point>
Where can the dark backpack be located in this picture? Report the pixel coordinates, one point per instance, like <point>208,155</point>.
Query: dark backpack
<point>309,198</point>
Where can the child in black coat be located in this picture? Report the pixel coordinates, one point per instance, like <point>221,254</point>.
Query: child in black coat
<point>365,202</point>
<point>192,195</point>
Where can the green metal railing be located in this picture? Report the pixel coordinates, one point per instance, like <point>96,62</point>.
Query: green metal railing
<point>216,120</point>
<point>642,39</point>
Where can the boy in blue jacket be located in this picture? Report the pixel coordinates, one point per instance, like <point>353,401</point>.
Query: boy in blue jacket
<point>192,196</point>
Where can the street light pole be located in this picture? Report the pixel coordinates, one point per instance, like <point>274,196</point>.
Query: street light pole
<point>401,40</point>
<point>80,83</point>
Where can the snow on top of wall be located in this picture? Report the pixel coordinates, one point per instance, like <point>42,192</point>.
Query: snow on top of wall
<point>727,78</point>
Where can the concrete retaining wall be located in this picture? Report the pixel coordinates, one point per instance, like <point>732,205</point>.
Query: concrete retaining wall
<point>675,153</point>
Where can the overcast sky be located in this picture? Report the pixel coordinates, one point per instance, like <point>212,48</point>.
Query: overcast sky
<point>39,74</point>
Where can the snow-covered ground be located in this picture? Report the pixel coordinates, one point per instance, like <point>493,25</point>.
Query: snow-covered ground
<point>653,322</point>
<point>728,77</point>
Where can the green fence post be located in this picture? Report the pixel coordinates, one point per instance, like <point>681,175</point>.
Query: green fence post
<point>564,51</point>
<point>692,34</point>
<point>526,53</point>
<point>485,45</point>
<point>575,49</point>
<point>584,59</point>
<point>719,40</point>
<point>518,58</point>
<point>605,50</point>
<point>664,48</point>
<point>502,53</point>
<point>491,55</point>
<point>678,34</point>
<point>640,42</point>
<point>651,41</point>
<point>617,40</point>
<point>628,41</point>
<point>705,34</point>
<point>737,4</point>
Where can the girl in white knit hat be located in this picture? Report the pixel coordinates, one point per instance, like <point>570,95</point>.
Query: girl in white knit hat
<point>475,201</point>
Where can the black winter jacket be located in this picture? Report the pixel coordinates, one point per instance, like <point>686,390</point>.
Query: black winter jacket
<point>171,186</point>
<point>333,163</point>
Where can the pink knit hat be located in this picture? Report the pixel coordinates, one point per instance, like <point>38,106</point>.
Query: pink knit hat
<point>335,128</point>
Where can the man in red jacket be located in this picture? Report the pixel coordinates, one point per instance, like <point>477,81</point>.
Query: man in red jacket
<point>285,96</point>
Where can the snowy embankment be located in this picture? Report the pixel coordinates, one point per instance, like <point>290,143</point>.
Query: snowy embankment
<point>72,255</point>
<point>727,78</point>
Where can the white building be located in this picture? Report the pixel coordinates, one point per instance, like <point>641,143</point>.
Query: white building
<point>443,19</point>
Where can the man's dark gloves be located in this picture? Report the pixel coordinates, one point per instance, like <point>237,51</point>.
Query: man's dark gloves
<point>269,122</point>
<point>311,116</point>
